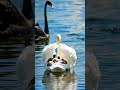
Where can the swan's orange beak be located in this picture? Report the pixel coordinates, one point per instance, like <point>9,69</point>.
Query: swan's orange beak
<point>51,6</point>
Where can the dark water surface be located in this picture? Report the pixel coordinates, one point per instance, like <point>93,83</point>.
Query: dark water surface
<point>9,53</point>
<point>68,19</point>
<point>106,45</point>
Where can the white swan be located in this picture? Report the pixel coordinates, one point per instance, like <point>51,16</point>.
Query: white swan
<point>58,57</point>
<point>25,66</point>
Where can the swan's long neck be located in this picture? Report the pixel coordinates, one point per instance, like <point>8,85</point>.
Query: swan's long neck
<point>46,22</point>
<point>58,43</point>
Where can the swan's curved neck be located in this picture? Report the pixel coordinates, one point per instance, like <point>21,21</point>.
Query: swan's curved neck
<point>46,22</point>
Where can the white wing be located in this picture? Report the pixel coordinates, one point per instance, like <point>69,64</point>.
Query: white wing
<point>48,52</point>
<point>68,54</point>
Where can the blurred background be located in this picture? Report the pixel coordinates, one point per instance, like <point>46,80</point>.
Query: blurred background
<point>103,38</point>
<point>14,37</point>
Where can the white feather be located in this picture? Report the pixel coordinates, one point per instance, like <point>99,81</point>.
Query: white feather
<point>65,52</point>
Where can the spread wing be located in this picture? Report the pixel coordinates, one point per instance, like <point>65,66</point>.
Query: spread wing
<point>48,52</point>
<point>66,52</point>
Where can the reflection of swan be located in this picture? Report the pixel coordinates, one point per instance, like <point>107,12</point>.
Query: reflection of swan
<point>60,81</point>
<point>92,72</point>
<point>25,67</point>
<point>58,57</point>
<point>39,33</point>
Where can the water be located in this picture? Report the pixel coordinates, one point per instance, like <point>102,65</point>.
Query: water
<point>68,19</point>
<point>105,46</point>
<point>104,42</point>
<point>9,53</point>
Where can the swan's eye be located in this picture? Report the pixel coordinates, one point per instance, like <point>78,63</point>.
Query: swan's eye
<point>48,2</point>
<point>51,5</point>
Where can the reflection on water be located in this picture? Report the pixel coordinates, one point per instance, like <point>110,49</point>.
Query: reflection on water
<point>25,70</point>
<point>92,72</point>
<point>105,45</point>
<point>108,56</point>
<point>60,81</point>
<point>9,52</point>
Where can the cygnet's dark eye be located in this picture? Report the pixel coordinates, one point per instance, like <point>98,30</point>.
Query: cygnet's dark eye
<point>58,57</point>
<point>54,55</point>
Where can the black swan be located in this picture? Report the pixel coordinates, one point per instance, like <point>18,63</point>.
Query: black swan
<point>39,33</point>
<point>27,12</point>
<point>14,24</point>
